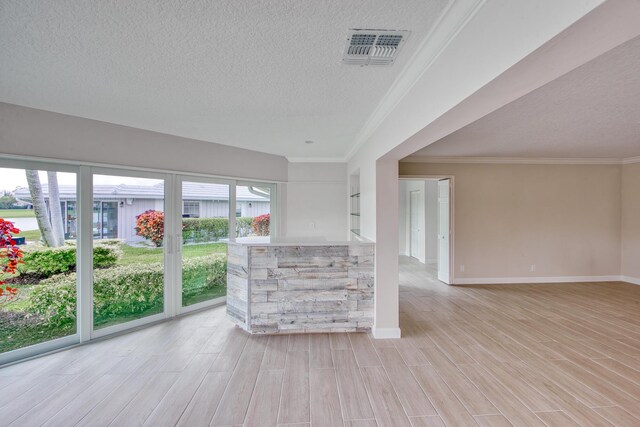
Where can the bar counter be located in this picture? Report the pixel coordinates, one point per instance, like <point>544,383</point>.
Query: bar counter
<point>300,285</point>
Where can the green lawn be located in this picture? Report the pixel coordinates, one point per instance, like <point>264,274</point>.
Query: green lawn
<point>137,255</point>
<point>14,337</point>
<point>31,235</point>
<point>16,213</point>
<point>18,330</point>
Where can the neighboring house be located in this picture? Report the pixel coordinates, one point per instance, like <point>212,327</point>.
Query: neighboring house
<point>115,207</point>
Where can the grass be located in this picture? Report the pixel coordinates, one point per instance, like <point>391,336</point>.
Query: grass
<point>141,255</point>
<point>30,235</point>
<point>16,213</point>
<point>17,332</point>
<point>12,337</point>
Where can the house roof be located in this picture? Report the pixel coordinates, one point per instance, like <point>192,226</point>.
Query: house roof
<point>190,191</point>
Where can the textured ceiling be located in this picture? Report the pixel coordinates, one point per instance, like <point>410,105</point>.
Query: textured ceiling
<point>259,74</point>
<point>591,112</point>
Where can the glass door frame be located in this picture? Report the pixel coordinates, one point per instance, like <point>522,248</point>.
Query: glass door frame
<point>168,246</point>
<point>84,241</point>
<point>177,232</point>
<point>56,343</point>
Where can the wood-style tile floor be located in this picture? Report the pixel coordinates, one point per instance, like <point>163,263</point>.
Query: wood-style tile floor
<point>524,355</point>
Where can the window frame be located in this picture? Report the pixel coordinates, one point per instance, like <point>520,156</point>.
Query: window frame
<point>84,241</point>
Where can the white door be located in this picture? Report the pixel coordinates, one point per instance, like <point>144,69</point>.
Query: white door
<point>415,223</point>
<point>444,231</point>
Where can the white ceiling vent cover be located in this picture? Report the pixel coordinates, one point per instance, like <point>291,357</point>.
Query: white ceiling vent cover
<point>373,47</point>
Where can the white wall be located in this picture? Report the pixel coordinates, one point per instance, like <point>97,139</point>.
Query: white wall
<point>431,221</point>
<point>428,190</point>
<point>30,132</point>
<point>631,222</point>
<point>317,200</point>
<point>417,187</point>
<point>403,219</point>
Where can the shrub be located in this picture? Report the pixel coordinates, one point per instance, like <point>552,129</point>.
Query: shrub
<point>244,226</point>
<point>261,225</point>
<point>13,255</point>
<point>213,229</point>
<point>150,225</point>
<point>204,229</point>
<point>43,262</point>
<point>123,290</point>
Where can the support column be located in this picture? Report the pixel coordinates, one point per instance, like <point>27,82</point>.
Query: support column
<point>387,298</point>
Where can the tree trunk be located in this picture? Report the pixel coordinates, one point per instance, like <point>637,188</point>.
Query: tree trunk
<point>54,207</point>
<point>40,208</point>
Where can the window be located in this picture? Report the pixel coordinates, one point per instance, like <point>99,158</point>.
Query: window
<point>204,241</point>
<point>46,236</point>
<point>131,287</point>
<point>128,225</point>
<point>191,209</point>
<point>253,201</point>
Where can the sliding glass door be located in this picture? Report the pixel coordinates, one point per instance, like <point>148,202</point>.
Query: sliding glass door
<point>204,231</point>
<point>128,249</point>
<point>89,251</point>
<point>38,259</point>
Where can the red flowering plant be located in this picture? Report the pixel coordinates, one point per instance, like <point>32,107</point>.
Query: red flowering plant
<point>261,225</point>
<point>13,255</point>
<point>150,225</point>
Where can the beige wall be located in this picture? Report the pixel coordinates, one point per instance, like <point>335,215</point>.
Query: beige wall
<point>631,221</point>
<point>564,219</point>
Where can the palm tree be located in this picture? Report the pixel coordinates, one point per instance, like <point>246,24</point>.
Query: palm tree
<point>40,209</point>
<point>54,208</point>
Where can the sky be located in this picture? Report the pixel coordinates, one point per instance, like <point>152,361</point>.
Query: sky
<point>10,179</point>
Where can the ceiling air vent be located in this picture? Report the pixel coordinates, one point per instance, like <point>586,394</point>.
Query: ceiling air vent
<point>373,47</point>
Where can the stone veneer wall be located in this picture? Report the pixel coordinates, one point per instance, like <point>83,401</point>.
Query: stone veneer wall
<point>284,289</point>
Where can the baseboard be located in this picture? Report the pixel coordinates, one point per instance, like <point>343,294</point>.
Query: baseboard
<point>385,333</point>
<point>629,279</point>
<point>533,280</point>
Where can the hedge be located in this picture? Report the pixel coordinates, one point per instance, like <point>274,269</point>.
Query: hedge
<point>244,226</point>
<point>43,262</point>
<point>197,230</point>
<point>123,290</point>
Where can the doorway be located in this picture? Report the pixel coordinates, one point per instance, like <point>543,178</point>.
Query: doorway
<point>416,214</point>
<point>425,225</point>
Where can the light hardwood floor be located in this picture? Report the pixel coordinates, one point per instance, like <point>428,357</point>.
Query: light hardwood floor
<point>553,354</point>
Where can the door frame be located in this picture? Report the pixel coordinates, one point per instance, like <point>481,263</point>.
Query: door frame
<point>452,225</point>
<point>176,245</point>
<point>411,237</point>
<point>169,269</point>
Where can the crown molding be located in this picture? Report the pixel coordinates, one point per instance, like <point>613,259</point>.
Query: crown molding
<point>630,160</point>
<point>316,159</point>
<point>449,24</point>
<point>517,160</point>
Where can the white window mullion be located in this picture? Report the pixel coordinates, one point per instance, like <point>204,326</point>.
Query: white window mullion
<point>171,212</point>
<point>85,254</point>
<point>177,262</point>
<point>232,212</point>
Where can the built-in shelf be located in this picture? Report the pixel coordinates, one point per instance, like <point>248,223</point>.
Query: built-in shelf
<point>354,206</point>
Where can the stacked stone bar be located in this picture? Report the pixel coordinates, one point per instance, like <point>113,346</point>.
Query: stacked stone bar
<point>287,289</point>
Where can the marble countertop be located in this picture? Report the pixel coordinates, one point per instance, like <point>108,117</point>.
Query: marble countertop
<point>296,241</point>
